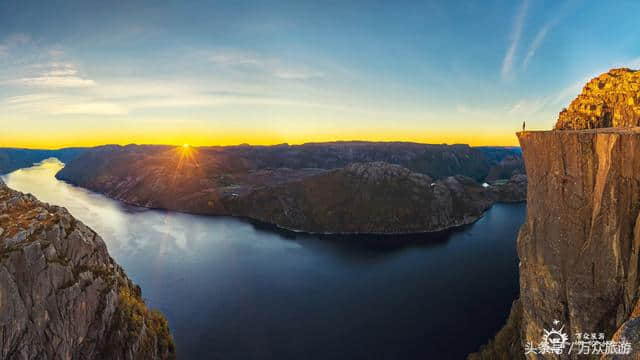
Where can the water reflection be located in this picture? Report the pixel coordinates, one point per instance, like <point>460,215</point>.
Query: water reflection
<point>233,289</point>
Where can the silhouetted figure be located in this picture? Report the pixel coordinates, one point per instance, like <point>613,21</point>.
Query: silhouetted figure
<point>523,126</point>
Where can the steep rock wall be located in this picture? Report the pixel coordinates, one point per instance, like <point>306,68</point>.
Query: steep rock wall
<point>579,245</point>
<point>62,296</point>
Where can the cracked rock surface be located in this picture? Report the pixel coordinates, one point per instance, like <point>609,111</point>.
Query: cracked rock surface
<point>580,242</point>
<point>62,296</point>
<point>610,100</point>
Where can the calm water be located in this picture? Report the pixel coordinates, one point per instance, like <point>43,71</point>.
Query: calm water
<point>233,290</point>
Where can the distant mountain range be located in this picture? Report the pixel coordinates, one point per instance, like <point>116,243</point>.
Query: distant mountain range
<point>12,159</point>
<point>338,187</point>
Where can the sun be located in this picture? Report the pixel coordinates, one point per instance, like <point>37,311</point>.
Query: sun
<point>186,146</point>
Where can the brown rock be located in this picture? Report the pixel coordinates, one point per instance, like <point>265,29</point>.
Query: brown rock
<point>62,296</point>
<point>367,198</point>
<point>579,245</point>
<point>609,100</point>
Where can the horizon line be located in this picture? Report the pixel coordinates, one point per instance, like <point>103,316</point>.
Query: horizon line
<point>253,145</point>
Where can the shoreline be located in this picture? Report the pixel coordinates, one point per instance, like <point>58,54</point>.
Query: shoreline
<point>260,222</point>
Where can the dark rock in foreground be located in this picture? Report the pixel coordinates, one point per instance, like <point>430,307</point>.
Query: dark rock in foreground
<point>62,296</point>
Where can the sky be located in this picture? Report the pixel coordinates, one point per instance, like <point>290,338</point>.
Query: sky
<point>84,73</point>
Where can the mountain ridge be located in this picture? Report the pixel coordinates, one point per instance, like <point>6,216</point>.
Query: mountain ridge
<point>227,181</point>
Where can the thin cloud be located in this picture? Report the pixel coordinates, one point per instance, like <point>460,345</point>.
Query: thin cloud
<point>60,104</point>
<point>55,52</point>
<point>537,41</point>
<point>28,98</point>
<point>263,64</point>
<point>528,107</point>
<point>61,70</point>
<point>568,93</point>
<point>91,108</point>
<point>55,81</point>
<point>57,75</point>
<point>561,11</point>
<point>516,33</point>
<point>634,63</point>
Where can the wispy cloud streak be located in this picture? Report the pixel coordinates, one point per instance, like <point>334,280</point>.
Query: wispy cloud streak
<point>59,75</point>
<point>516,33</point>
<point>264,64</point>
<point>537,41</point>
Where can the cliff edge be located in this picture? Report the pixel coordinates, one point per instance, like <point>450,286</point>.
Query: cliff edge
<point>579,244</point>
<point>62,296</point>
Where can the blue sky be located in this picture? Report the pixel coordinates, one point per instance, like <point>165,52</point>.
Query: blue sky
<point>213,72</point>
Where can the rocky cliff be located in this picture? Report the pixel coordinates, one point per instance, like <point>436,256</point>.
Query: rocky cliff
<point>62,296</point>
<point>579,245</point>
<point>609,100</point>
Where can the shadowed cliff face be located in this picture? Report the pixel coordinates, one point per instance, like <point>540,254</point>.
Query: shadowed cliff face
<point>368,197</point>
<point>609,100</point>
<point>62,296</point>
<point>579,245</point>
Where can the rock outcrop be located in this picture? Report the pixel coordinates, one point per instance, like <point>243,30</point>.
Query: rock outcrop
<point>367,197</point>
<point>62,296</point>
<point>609,100</point>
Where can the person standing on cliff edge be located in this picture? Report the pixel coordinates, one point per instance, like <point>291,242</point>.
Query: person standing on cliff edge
<point>523,125</point>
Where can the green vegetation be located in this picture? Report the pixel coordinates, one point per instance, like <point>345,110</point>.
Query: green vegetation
<point>138,322</point>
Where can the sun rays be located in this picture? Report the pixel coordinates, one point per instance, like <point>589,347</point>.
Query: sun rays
<point>186,164</point>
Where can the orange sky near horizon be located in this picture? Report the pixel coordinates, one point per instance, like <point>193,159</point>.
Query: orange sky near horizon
<point>45,140</point>
<point>87,78</point>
